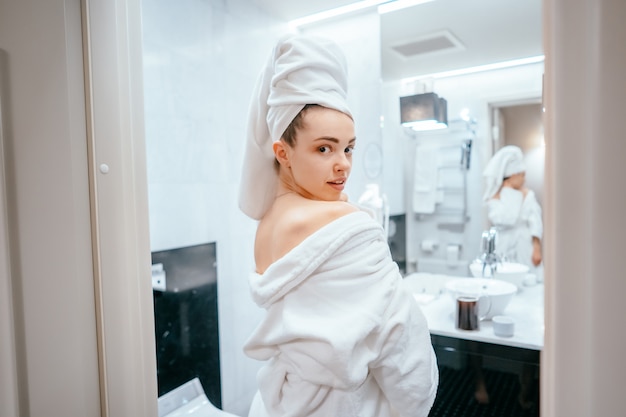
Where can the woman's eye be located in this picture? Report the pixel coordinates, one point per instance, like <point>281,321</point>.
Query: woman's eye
<point>323,149</point>
<point>349,150</point>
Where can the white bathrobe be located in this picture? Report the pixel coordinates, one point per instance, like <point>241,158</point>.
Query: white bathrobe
<point>341,337</point>
<point>518,219</point>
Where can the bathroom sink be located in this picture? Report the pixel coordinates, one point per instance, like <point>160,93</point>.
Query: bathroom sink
<point>476,268</point>
<point>425,286</point>
<point>494,294</point>
<point>512,272</point>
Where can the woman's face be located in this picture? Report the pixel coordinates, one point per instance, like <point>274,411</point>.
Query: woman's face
<point>517,180</point>
<point>321,160</point>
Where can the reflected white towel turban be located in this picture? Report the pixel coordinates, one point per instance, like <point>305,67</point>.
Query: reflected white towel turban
<point>301,70</point>
<point>507,161</point>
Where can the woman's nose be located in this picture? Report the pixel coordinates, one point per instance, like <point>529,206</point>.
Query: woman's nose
<point>343,163</point>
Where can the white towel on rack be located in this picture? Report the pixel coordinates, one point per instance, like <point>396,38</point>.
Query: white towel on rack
<point>425,180</point>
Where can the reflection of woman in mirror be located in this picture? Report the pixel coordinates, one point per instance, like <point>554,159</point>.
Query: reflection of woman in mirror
<point>515,212</point>
<point>340,336</point>
<point>513,209</point>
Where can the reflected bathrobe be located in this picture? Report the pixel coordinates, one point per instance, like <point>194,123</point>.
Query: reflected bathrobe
<point>341,336</point>
<point>517,219</point>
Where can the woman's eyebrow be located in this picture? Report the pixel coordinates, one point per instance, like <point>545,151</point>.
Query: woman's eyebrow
<point>335,140</point>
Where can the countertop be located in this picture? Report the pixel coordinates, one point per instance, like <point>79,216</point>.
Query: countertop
<point>526,308</point>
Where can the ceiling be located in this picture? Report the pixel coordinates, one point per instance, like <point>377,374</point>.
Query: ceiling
<point>442,35</point>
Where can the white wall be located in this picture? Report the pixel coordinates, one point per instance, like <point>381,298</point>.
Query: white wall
<point>81,326</point>
<point>201,61</point>
<point>585,372</point>
<point>51,335</point>
<point>8,366</point>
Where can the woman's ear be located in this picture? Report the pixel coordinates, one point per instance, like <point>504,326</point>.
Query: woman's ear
<point>281,154</point>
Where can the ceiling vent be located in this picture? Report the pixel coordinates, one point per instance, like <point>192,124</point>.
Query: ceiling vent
<point>429,44</point>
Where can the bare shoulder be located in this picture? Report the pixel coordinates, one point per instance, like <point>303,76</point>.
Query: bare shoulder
<point>298,221</point>
<point>289,223</point>
<point>313,215</point>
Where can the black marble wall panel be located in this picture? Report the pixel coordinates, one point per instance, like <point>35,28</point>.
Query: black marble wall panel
<point>397,240</point>
<point>186,320</point>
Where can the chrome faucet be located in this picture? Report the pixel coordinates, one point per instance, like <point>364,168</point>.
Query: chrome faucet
<point>489,258</point>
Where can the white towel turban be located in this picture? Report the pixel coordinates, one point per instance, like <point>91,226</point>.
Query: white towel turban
<point>507,161</point>
<point>301,70</point>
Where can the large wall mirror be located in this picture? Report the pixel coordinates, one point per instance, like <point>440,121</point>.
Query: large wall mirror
<point>485,58</point>
<point>483,55</point>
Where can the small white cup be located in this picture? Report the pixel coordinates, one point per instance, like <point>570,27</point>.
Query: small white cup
<point>530,280</point>
<point>503,326</point>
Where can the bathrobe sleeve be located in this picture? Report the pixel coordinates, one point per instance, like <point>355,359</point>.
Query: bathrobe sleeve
<point>506,210</point>
<point>407,369</point>
<point>531,213</point>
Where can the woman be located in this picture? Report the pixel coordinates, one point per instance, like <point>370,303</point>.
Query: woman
<point>513,209</point>
<point>340,336</point>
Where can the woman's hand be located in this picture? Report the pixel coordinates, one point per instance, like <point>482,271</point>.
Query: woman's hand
<point>536,257</point>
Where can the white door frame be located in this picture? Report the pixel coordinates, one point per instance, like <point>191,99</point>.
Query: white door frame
<point>119,201</point>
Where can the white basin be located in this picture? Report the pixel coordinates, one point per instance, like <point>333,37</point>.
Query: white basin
<point>512,272</point>
<point>494,294</point>
<point>424,286</point>
<point>476,268</point>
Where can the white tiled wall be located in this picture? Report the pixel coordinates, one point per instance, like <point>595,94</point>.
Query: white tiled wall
<point>201,61</point>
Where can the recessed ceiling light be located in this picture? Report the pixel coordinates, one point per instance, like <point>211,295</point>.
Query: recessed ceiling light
<point>339,11</point>
<point>392,6</point>
<point>480,68</point>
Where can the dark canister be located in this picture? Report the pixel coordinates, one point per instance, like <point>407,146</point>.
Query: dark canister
<point>466,317</point>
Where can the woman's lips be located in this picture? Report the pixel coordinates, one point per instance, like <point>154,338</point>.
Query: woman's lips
<point>338,185</point>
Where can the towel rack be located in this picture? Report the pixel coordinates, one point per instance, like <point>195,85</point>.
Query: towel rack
<point>459,135</point>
